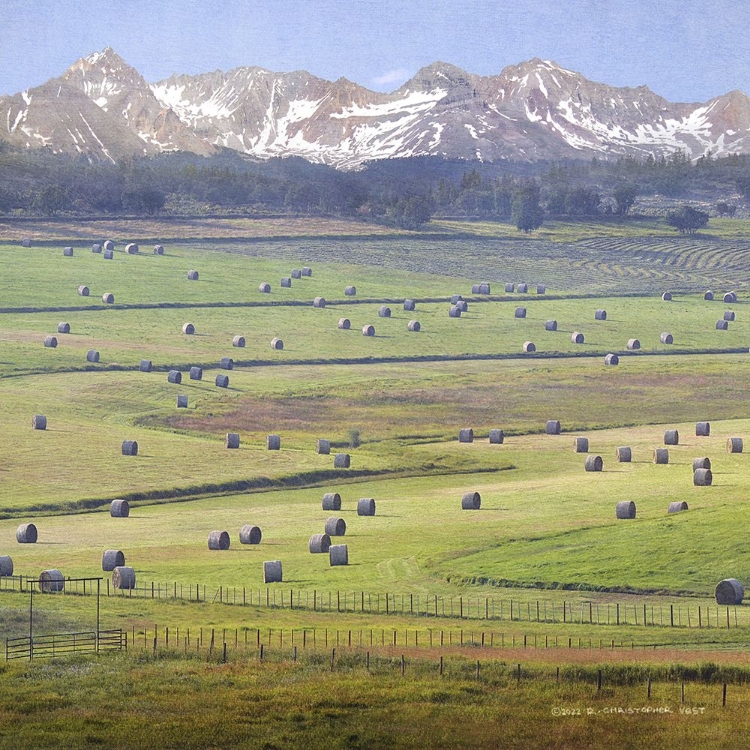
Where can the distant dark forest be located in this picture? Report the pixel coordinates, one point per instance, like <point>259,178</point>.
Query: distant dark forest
<point>401,192</point>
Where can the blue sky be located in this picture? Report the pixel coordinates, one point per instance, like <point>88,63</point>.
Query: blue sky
<point>685,50</point>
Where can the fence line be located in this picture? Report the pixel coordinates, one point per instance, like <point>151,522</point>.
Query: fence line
<point>61,644</point>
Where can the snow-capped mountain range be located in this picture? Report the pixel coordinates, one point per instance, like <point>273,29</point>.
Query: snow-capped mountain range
<point>536,110</point>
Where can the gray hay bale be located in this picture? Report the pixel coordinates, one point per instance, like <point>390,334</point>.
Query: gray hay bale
<point>182,401</point>
<point>497,437</point>
<point>344,324</point>
<point>51,581</point>
<point>454,312</point>
<point>83,291</point>
<point>277,344</point>
<point>123,578</point>
<point>342,461</point>
<point>410,305</point>
<point>729,315</point>
<point>273,442</point>
<point>520,312</point>
<point>581,445</point>
<point>593,463</point>
<point>129,448</point>
<point>218,540</point>
<point>414,326</point>
<point>625,509</point>
<point>232,440</point>
<point>338,554</point>
<point>50,342</point>
<point>550,325</point>
<point>6,565</point>
<point>92,355</point>
<point>729,592</point>
<point>541,289</point>
<point>522,288</point>
<point>119,509</point>
<point>250,534</point>
<point>226,363</point>
<point>192,275</point>
<point>238,341</point>
<point>466,435</point>
<point>366,506</point>
<point>323,446</point>
<point>350,291</point>
<point>708,296</point>
<point>272,571</point>
<point>96,248</point>
<point>222,381</point>
<point>335,526</point>
<point>702,429</point>
<point>158,249</point>
<point>146,365</point>
<point>509,288</point>
<point>368,330</point>
<point>39,422</point>
<point>702,477</point>
<point>552,427</point>
<point>624,454</point>
<point>27,533</point>
<point>734,445</point>
<point>132,249</point>
<point>611,359</point>
<point>68,252</point>
<point>63,327</point>
<point>484,287</point>
<point>286,282</point>
<point>661,456</point>
<point>576,337</point>
<point>677,507</point>
<point>109,255</point>
<point>108,298</point>
<point>306,271</point>
<point>666,338</point>
<point>331,501</point>
<point>667,296</point>
<point>196,373</point>
<point>529,346</point>
<point>701,463</point>
<point>671,437</point>
<point>188,329</point>
<point>319,302</point>
<point>462,305</point>
<point>26,242</point>
<point>264,287</point>
<point>722,325</point>
<point>384,312</point>
<point>111,559</point>
<point>471,501</point>
<point>475,289</point>
<point>174,376</point>
<point>633,344</point>
<point>456,298</point>
<point>109,245</point>
<point>296,273</point>
<point>319,543</point>
<point>730,298</point>
<point>600,315</point>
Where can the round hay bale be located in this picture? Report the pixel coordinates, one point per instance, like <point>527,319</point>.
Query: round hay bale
<point>338,554</point>
<point>196,373</point>
<point>350,291</point>
<point>296,273</point>
<point>576,337</point>
<point>633,344</point>
<point>83,291</point>
<point>497,437</point>
<point>550,325</point>
<point>132,249</point>
<point>677,507</point>
<point>273,442</point>
<point>306,271</point>
<point>625,509</point>
<point>222,381</point>
<point>702,429</point>
<point>366,506</point>
<point>471,501</point>
<point>520,312</point>
<point>226,363</point>
<point>456,298</point>
<point>109,245</point>
<point>123,578</point>
<point>192,275</point>
<point>410,305</point>
<point>319,543</point>
<point>50,342</point>
<point>729,315</point>
<point>264,287</point>
<point>174,376</point>
<point>734,445</point>
<point>671,437</point>
<point>701,463</point>
<point>342,461</point>
<point>454,312</point>
<point>68,252</point>
<point>414,326</point>
<point>335,526</point>
<point>462,305</point>
<point>108,298</point>
<point>188,329</point>
<point>26,533</point>
<point>286,282</point>
<point>232,440</point>
<point>509,288</point>
<point>709,295</point>
<point>158,249</point>
<point>96,248</point>
<point>384,312</point>
<point>611,359</point>
<point>272,571</point>
<point>51,581</point>
<point>39,422</point>
<point>730,298</point>
<point>666,338</point>
<point>331,501</point>
<point>218,540</point>
<point>553,427</point>
<point>729,592</point>
<point>182,401</point>
<point>581,445</point>
<point>522,288</point>
<point>541,289</point>
<point>119,509</point>
<point>277,344</point>
<point>722,325</point>
<point>26,242</point>
<point>109,255</point>
<point>667,296</point>
<point>238,341</point>
<point>63,327</point>
<point>6,565</point>
<point>475,289</point>
<point>600,315</point>
<point>250,534</point>
<point>368,330</point>
<point>323,446</point>
<point>319,302</point>
<point>92,355</point>
<point>484,287</point>
<point>129,448</point>
<point>661,456</point>
<point>593,463</point>
<point>702,477</point>
<point>624,454</point>
<point>111,559</point>
<point>146,365</point>
<point>344,324</point>
<point>466,435</point>
<point>529,346</point>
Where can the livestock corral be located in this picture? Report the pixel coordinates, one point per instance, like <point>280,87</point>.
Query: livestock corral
<point>359,448</point>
